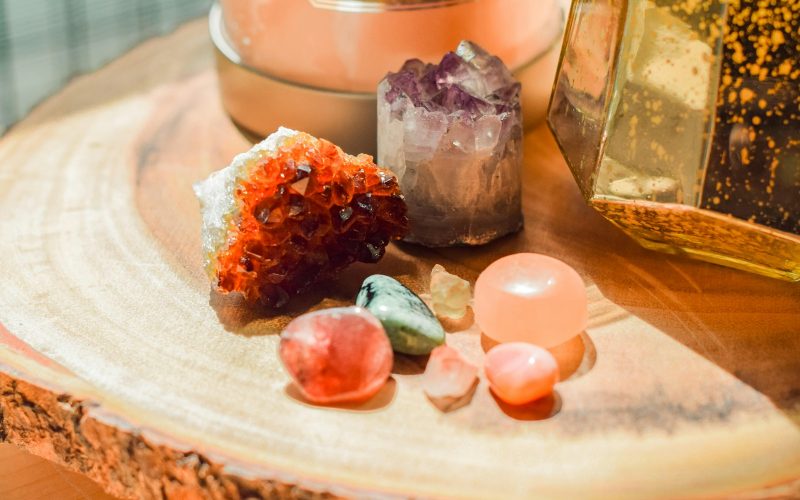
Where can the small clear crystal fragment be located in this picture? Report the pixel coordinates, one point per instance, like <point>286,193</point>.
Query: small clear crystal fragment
<point>450,294</point>
<point>448,375</point>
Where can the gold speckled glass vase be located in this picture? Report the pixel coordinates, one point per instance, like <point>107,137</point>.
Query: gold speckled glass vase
<point>680,120</point>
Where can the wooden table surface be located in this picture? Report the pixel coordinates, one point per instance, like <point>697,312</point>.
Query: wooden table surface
<point>24,476</point>
<point>117,361</point>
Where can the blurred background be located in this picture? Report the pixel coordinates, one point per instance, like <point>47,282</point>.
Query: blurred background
<point>44,43</point>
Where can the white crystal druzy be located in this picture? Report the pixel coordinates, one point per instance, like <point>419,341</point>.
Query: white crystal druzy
<point>216,194</point>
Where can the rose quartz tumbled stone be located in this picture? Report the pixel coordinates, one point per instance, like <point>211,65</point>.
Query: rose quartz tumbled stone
<point>519,373</point>
<point>337,355</point>
<point>529,297</point>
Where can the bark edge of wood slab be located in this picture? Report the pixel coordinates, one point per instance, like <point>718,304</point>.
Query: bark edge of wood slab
<point>130,462</point>
<point>127,461</point>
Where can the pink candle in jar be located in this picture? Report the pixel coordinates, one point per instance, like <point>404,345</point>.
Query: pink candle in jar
<point>350,48</point>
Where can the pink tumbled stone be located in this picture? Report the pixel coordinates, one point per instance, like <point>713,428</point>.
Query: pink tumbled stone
<point>337,355</point>
<point>529,297</point>
<point>519,373</point>
<point>448,374</point>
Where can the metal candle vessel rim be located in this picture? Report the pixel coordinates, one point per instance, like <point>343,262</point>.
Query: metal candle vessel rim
<point>374,6</point>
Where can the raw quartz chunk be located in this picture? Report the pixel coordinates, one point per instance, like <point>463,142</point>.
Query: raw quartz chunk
<point>450,294</point>
<point>452,133</point>
<point>293,211</point>
<point>448,376</point>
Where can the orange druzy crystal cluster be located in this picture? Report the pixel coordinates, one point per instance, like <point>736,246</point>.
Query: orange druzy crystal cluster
<point>306,211</point>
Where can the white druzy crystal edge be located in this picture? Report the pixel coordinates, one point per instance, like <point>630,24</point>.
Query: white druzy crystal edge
<point>216,193</point>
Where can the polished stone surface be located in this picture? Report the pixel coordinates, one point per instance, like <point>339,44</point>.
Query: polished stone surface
<point>411,326</point>
<point>532,298</point>
<point>336,355</point>
<point>520,373</point>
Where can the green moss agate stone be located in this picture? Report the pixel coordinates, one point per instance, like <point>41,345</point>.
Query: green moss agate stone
<point>411,326</point>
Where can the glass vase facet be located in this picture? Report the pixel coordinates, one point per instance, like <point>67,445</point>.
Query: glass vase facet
<point>680,120</point>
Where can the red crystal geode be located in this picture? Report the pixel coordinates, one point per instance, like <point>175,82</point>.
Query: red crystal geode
<point>306,213</point>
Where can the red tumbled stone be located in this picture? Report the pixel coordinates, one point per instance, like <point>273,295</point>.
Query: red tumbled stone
<point>337,355</point>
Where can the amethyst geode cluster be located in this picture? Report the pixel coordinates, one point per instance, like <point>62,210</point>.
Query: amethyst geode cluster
<point>452,133</point>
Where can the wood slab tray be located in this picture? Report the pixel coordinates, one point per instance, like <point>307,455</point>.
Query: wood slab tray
<point>118,362</point>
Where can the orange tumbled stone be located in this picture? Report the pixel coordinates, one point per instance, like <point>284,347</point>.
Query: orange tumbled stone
<point>293,211</point>
<point>337,355</point>
<point>529,297</point>
<point>520,373</point>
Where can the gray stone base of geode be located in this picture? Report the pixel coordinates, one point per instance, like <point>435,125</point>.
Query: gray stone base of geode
<point>464,198</point>
<point>437,233</point>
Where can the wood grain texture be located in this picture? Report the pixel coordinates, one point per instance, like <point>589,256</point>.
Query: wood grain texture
<point>118,362</point>
<point>24,476</point>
